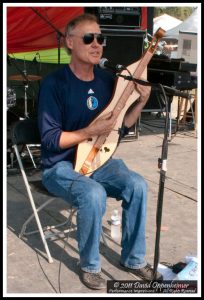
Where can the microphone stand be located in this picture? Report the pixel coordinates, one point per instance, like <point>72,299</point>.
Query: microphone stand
<point>162,165</point>
<point>59,34</point>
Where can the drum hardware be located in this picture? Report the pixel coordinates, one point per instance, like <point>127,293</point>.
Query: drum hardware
<point>25,101</point>
<point>10,156</point>
<point>26,79</point>
<point>11,97</point>
<point>12,117</point>
<point>11,159</point>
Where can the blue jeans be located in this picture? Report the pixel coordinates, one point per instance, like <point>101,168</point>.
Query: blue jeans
<point>89,194</point>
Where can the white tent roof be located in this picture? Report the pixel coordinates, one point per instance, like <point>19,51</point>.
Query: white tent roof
<point>166,22</point>
<point>189,25</point>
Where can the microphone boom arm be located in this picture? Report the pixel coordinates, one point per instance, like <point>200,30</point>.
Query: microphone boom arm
<point>169,90</point>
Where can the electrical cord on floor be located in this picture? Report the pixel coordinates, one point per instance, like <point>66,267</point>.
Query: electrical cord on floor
<point>166,264</point>
<point>45,273</point>
<point>61,256</point>
<point>59,272</point>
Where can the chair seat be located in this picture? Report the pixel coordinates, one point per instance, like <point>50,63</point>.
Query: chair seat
<point>38,186</point>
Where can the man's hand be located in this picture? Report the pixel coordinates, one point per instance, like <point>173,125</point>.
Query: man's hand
<point>102,125</point>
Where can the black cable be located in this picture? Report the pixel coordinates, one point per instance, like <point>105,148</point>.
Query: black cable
<point>45,273</point>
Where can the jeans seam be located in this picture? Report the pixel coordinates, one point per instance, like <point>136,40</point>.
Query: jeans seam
<point>90,270</point>
<point>135,267</point>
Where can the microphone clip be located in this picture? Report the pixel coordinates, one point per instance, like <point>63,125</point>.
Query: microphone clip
<point>131,78</point>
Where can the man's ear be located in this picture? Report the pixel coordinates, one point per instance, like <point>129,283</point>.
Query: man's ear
<point>69,42</point>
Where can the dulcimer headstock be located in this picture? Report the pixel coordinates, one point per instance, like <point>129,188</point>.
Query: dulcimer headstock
<point>160,33</point>
<point>155,39</point>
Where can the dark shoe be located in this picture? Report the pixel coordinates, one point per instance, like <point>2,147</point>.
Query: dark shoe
<point>93,280</point>
<point>145,273</point>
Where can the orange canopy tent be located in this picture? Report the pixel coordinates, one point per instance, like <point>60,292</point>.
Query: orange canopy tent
<point>41,29</point>
<point>31,30</point>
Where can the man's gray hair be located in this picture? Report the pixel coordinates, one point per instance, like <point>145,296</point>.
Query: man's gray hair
<point>74,22</point>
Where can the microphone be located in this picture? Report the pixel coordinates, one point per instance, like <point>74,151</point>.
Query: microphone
<point>104,63</point>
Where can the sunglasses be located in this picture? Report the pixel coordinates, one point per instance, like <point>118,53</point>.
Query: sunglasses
<point>88,38</point>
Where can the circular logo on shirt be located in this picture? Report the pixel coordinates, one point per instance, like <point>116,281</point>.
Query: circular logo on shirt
<point>92,103</point>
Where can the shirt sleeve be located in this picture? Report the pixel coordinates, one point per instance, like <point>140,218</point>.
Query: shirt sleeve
<point>50,108</point>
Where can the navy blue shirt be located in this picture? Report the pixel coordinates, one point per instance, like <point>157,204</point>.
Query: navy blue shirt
<point>67,103</point>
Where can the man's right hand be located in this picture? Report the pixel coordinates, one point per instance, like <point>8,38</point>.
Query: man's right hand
<point>102,125</point>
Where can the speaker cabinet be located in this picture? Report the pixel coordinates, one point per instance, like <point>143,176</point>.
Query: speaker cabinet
<point>124,17</point>
<point>123,46</point>
<point>117,17</point>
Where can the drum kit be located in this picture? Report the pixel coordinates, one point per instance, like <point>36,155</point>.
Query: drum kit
<point>11,95</point>
<point>11,103</point>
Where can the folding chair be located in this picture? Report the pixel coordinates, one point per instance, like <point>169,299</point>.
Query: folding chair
<point>26,132</point>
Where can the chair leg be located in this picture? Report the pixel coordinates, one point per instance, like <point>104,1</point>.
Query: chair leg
<point>31,217</point>
<point>33,205</point>
<point>31,156</point>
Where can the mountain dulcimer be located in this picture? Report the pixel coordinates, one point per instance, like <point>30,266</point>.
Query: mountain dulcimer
<point>93,153</point>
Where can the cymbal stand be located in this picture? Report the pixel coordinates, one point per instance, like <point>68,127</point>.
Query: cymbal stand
<point>25,100</point>
<point>25,82</point>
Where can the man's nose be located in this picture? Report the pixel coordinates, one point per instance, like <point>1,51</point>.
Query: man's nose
<point>95,42</point>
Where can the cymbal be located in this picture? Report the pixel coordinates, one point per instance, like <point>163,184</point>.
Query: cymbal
<point>21,78</point>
